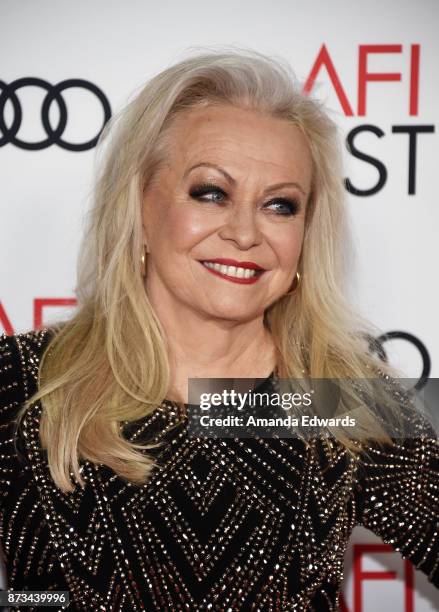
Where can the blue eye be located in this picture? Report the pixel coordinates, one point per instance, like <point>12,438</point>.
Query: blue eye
<point>290,207</point>
<point>287,207</point>
<point>204,189</point>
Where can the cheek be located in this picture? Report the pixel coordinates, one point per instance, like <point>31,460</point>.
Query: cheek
<point>182,227</point>
<point>288,246</point>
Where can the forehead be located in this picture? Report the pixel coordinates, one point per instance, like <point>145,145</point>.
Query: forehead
<point>242,137</point>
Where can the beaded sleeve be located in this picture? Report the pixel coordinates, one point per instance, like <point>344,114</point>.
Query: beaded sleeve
<point>19,362</point>
<point>29,557</point>
<point>397,498</point>
<point>12,396</point>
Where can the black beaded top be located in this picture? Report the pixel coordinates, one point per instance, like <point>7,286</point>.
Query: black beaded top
<point>222,524</point>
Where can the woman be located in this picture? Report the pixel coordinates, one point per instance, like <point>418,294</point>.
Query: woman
<point>216,249</point>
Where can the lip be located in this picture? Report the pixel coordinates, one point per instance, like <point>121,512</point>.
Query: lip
<point>234,279</point>
<point>232,262</point>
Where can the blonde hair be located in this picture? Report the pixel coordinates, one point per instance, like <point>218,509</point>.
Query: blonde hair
<point>109,362</point>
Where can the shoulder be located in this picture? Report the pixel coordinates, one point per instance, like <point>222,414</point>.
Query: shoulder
<point>20,356</point>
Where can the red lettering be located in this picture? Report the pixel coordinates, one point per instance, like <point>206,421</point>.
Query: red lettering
<point>415,51</point>
<point>5,322</point>
<point>409,580</point>
<point>361,576</point>
<point>364,76</point>
<point>41,303</point>
<point>324,59</point>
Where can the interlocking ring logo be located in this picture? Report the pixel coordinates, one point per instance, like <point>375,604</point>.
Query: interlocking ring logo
<point>376,346</point>
<point>53,93</point>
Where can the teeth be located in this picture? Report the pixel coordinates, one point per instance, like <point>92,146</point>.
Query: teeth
<point>230,270</point>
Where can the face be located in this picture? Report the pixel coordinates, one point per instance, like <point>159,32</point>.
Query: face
<point>230,198</point>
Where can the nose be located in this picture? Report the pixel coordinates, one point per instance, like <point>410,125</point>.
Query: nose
<point>242,227</point>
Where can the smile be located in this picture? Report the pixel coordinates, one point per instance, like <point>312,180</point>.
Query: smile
<point>234,274</point>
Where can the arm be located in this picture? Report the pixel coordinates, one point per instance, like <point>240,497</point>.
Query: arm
<point>12,396</point>
<point>397,497</point>
<point>18,498</point>
<point>19,363</point>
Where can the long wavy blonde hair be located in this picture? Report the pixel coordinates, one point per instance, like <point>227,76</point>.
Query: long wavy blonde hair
<point>108,363</point>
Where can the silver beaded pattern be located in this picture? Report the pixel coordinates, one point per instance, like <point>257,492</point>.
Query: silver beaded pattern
<point>222,524</point>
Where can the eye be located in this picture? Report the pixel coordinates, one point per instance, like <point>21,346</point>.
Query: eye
<point>286,206</point>
<point>200,191</point>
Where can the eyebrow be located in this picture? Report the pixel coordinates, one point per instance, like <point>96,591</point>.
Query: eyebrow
<point>233,181</point>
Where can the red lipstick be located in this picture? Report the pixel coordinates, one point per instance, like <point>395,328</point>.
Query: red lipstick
<point>232,262</point>
<point>239,264</point>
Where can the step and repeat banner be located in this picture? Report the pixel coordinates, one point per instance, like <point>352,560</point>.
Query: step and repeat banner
<point>66,67</point>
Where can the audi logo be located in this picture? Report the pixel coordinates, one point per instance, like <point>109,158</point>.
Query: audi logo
<point>376,346</point>
<point>54,93</point>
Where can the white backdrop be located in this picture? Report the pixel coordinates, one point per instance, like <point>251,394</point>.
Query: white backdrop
<point>374,65</point>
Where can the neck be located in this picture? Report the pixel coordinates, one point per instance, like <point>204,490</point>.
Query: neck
<point>214,349</point>
<point>201,347</point>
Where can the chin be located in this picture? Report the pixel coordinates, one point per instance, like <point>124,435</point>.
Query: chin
<point>232,313</point>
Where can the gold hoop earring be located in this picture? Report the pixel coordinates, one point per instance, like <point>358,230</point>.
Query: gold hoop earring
<point>142,261</point>
<point>294,286</point>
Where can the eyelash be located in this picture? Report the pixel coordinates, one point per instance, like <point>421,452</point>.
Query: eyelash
<point>206,188</point>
